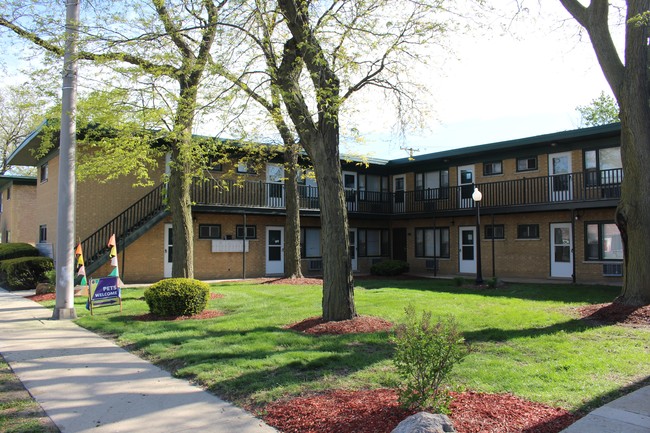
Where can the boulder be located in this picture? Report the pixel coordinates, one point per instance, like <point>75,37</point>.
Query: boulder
<point>43,288</point>
<point>425,422</point>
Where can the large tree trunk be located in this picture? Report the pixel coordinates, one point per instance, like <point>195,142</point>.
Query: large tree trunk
<point>292,257</point>
<point>338,284</point>
<point>633,212</point>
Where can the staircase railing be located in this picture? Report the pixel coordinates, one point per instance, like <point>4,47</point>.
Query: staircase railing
<point>124,226</point>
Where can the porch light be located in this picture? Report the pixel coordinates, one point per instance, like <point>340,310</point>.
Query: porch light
<point>477,197</point>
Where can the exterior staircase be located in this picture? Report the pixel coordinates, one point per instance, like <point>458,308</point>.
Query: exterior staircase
<point>127,227</point>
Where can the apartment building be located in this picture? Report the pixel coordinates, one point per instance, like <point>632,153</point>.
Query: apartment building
<point>547,212</point>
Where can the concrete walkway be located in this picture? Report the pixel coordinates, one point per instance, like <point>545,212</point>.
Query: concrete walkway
<point>86,383</point>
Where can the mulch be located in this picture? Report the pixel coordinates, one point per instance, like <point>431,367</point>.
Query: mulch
<point>358,325</point>
<point>378,411</point>
<point>616,313</point>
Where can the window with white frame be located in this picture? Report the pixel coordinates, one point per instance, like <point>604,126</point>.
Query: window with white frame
<point>310,243</point>
<point>430,242</point>
<point>603,242</point>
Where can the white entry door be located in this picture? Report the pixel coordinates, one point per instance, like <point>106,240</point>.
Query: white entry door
<point>169,250</point>
<point>399,187</point>
<point>466,186</point>
<point>467,250</point>
<point>353,248</point>
<point>561,250</point>
<point>275,181</point>
<point>559,171</point>
<point>274,250</point>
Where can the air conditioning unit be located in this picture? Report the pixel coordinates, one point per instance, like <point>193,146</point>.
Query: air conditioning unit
<point>315,265</point>
<point>431,264</point>
<point>613,269</point>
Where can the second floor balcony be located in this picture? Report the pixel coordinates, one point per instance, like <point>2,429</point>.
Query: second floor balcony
<point>559,190</point>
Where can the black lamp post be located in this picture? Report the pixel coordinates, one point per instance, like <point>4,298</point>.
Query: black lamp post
<point>477,196</point>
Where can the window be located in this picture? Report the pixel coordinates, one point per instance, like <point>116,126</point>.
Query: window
<point>213,166</point>
<point>372,187</point>
<point>432,185</point>
<point>7,236</point>
<point>492,168</point>
<point>528,231</point>
<point>603,242</point>
<point>245,168</point>
<point>495,231</point>
<point>373,242</point>
<point>209,231</point>
<point>42,233</point>
<point>9,193</point>
<point>431,242</point>
<point>44,173</point>
<point>251,232</point>
<point>603,166</point>
<point>527,163</point>
<point>310,245</point>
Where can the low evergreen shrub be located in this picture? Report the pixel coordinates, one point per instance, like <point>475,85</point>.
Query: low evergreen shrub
<point>12,251</point>
<point>389,268</point>
<point>177,297</point>
<point>24,273</point>
<point>425,354</point>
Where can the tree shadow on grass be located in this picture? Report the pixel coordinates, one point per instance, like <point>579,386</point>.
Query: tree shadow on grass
<point>568,293</point>
<point>500,335</point>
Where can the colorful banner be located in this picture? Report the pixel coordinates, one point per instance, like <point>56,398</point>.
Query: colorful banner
<point>113,255</point>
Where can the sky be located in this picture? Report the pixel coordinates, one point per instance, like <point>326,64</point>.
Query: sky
<point>502,87</point>
<point>494,86</point>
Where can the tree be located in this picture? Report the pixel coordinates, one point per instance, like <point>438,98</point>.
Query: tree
<point>21,108</point>
<point>344,47</point>
<point>630,84</point>
<point>602,111</point>
<point>169,42</point>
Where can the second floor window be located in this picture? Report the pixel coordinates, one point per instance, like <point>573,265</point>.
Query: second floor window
<point>44,173</point>
<point>492,168</point>
<point>603,166</point>
<point>372,187</point>
<point>528,163</point>
<point>432,185</point>
<point>528,231</point>
<point>245,168</point>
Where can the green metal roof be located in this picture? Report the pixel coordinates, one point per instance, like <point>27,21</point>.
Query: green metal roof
<point>16,180</point>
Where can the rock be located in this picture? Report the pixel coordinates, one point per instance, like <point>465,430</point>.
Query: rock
<point>425,422</point>
<point>43,288</point>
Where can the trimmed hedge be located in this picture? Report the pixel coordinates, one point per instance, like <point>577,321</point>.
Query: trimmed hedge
<point>12,251</point>
<point>175,297</point>
<point>389,268</point>
<point>24,273</point>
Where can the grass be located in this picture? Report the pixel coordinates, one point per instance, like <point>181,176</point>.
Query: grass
<point>526,340</point>
<point>19,413</point>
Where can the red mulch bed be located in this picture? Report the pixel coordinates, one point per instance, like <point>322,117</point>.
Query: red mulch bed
<point>616,313</point>
<point>41,298</point>
<point>378,411</point>
<point>358,325</point>
<point>205,314</point>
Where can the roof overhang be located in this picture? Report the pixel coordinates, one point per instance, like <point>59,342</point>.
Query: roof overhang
<point>26,151</point>
<point>16,180</point>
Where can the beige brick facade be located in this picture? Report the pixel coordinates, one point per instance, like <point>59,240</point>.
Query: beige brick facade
<point>18,220</point>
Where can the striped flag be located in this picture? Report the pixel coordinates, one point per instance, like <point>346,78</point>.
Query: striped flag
<point>81,269</point>
<point>113,255</point>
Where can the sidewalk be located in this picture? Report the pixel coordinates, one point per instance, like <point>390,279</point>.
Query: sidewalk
<point>86,383</point>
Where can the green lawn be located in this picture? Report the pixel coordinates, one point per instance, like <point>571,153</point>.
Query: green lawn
<point>526,340</point>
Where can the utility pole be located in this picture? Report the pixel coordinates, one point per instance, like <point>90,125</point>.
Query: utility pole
<point>64,308</point>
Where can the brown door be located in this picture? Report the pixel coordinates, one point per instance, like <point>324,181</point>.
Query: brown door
<point>399,244</point>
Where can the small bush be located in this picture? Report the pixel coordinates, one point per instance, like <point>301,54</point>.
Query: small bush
<point>25,273</point>
<point>424,356</point>
<point>51,277</point>
<point>177,297</point>
<point>389,268</point>
<point>13,251</point>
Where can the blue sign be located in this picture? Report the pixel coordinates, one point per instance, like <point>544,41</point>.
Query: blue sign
<point>104,291</point>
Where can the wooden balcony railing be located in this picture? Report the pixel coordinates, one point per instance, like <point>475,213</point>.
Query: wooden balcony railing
<point>543,190</point>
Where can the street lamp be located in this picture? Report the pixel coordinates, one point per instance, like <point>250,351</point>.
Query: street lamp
<point>477,196</point>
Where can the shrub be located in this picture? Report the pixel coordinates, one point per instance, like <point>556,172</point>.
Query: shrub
<point>13,251</point>
<point>177,297</point>
<point>25,272</point>
<point>51,277</point>
<point>389,268</point>
<point>424,356</point>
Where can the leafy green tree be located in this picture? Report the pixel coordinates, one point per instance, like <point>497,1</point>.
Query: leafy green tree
<point>21,108</point>
<point>602,111</point>
<point>167,43</point>
<point>629,80</point>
